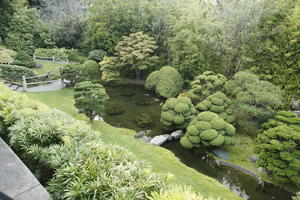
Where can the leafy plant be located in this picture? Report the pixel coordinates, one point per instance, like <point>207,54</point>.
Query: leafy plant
<point>23,59</point>
<point>110,71</point>
<point>5,58</point>
<point>97,55</point>
<point>72,73</point>
<point>14,73</point>
<point>166,82</point>
<point>90,98</point>
<point>91,69</point>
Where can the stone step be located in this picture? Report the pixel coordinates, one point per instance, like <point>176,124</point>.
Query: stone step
<point>13,87</point>
<point>8,84</point>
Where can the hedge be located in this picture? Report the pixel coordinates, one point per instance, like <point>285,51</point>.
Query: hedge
<point>14,73</point>
<point>58,53</point>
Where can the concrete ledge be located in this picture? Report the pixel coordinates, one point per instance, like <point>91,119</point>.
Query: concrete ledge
<point>16,180</point>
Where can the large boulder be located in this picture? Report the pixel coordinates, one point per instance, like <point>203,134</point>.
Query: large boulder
<point>159,140</point>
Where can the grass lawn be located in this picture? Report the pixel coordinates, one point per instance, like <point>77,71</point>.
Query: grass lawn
<point>47,66</point>
<point>162,160</point>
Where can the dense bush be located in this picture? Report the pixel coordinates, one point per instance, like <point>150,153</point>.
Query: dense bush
<point>255,100</point>
<point>208,129</point>
<point>5,58</point>
<point>97,55</point>
<point>177,113</point>
<point>58,53</point>
<point>23,59</point>
<point>77,57</point>
<point>110,71</point>
<point>204,85</point>
<point>177,193</point>
<point>166,82</point>
<point>90,98</point>
<point>72,73</point>
<point>283,118</point>
<point>279,153</point>
<point>91,69</point>
<point>14,73</point>
<point>220,104</point>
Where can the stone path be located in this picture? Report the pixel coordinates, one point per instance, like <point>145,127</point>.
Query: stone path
<point>16,180</point>
<point>55,85</point>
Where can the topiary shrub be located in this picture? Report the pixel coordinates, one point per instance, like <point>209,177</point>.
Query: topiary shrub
<point>91,69</point>
<point>166,82</point>
<point>5,58</point>
<point>97,55</point>
<point>72,73</point>
<point>283,118</point>
<point>204,85</point>
<point>23,59</point>
<point>220,104</point>
<point>254,100</point>
<point>110,71</point>
<point>14,73</point>
<point>208,129</point>
<point>177,113</point>
<point>58,53</point>
<point>279,153</point>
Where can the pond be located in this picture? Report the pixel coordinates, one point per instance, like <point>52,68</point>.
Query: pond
<point>138,109</point>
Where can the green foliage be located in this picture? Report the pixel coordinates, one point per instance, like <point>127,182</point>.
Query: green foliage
<point>177,113</point>
<point>91,69</point>
<point>279,153</point>
<point>136,51</point>
<point>177,193</point>
<point>58,53</point>
<point>208,129</point>
<point>72,73</point>
<point>5,58</point>
<point>21,30</point>
<point>220,104</point>
<point>97,55</point>
<point>283,118</point>
<point>14,73</point>
<point>90,98</point>
<point>23,59</point>
<point>204,85</point>
<point>167,82</point>
<point>110,71</point>
<point>254,100</point>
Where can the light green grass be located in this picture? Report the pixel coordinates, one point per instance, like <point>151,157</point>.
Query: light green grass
<point>162,160</point>
<point>47,66</point>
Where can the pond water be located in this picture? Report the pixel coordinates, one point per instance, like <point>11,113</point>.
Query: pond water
<point>141,111</point>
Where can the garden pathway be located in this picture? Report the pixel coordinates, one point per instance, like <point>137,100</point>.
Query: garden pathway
<point>16,180</point>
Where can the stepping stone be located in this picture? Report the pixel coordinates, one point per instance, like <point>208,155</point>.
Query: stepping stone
<point>221,154</point>
<point>145,139</point>
<point>158,140</point>
<point>177,134</point>
<point>13,87</point>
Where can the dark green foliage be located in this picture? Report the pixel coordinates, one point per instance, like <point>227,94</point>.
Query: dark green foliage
<point>254,100</point>
<point>21,30</point>
<point>136,52</point>
<point>90,98</point>
<point>110,71</point>
<point>92,70</point>
<point>166,82</point>
<point>204,85</point>
<point>208,129</point>
<point>177,113</point>
<point>14,73</point>
<point>97,55</point>
<point>72,73</point>
<point>58,53</point>
<point>23,59</point>
<point>283,118</point>
<point>220,104</point>
<point>279,153</point>
<point>77,57</point>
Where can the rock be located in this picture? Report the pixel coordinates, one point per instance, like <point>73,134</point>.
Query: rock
<point>155,99</point>
<point>144,120</point>
<point>296,105</point>
<point>221,154</point>
<point>253,158</point>
<point>38,65</point>
<point>158,140</point>
<point>140,134</point>
<point>145,139</point>
<point>263,170</point>
<point>177,134</point>
<point>297,113</point>
<point>98,118</point>
<point>169,137</point>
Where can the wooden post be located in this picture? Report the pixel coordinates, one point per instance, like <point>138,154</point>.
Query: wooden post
<point>34,58</point>
<point>49,75</point>
<point>53,59</point>
<point>25,89</point>
<point>67,61</point>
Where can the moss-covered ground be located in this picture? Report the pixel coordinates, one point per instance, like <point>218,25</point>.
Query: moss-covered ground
<point>162,160</point>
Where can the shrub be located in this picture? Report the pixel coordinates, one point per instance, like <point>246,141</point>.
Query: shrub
<point>166,82</point>
<point>254,100</point>
<point>23,59</point>
<point>204,85</point>
<point>220,104</point>
<point>278,150</point>
<point>90,98</point>
<point>208,129</point>
<point>5,58</point>
<point>283,118</point>
<point>14,73</point>
<point>110,71</point>
<point>177,113</point>
<point>58,53</point>
<point>177,193</point>
<point>72,73</point>
<point>92,69</point>
<point>97,55</point>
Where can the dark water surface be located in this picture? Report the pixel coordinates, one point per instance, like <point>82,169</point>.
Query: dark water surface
<point>240,183</point>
